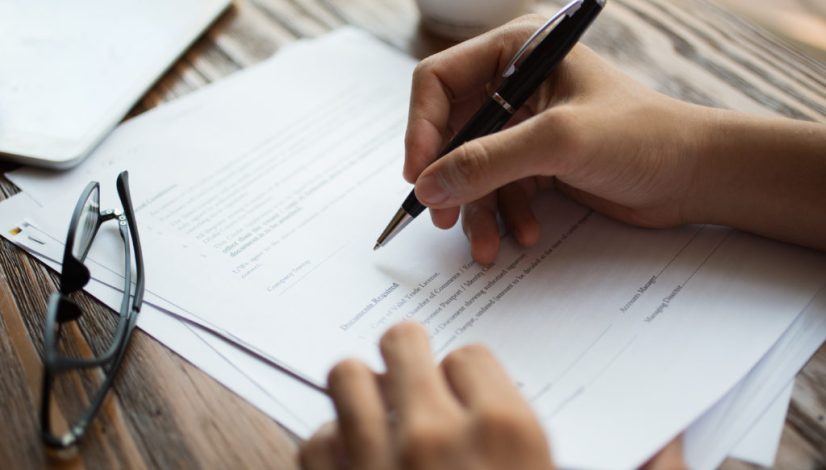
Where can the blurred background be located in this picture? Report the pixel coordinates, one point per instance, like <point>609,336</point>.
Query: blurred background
<point>800,21</point>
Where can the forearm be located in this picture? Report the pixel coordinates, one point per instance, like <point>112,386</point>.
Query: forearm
<point>762,175</point>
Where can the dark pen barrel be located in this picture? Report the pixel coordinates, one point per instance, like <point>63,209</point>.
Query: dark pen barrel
<point>538,66</point>
<point>489,119</point>
<point>574,19</point>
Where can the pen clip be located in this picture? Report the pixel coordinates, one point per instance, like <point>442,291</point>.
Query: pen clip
<point>567,10</point>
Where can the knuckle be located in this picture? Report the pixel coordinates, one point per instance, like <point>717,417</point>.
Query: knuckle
<point>499,420</point>
<point>469,167</point>
<point>423,443</point>
<point>507,426</point>
<point>423,68</point>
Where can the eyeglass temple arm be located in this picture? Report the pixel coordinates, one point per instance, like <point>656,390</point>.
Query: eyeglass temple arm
<point>128,211</point>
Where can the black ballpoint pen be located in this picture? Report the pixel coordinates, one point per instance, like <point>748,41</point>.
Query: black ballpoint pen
<point>520,81</point>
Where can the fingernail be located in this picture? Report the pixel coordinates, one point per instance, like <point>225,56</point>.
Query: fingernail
<point>429,191</point>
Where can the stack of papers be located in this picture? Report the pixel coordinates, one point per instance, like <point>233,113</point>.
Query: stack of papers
<point>258,199</point>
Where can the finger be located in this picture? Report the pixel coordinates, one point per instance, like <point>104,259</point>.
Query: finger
<point>478,380</point>
<point>452,75</point>
<point>540,145</point>
<point>502,419</point>
<point>444,218</point>
<point>515,206</point>
<point>323,451</point>
<point>669,458</point>
<point>481,229</point>
<point>412,382</point>
<point>362,419</point>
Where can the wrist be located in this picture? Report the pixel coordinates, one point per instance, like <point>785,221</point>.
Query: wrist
<point>759,174</point>
<point>698,127</point>
<point>703,147</point>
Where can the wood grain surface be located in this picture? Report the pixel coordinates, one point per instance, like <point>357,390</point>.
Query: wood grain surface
<point>801,21</point>
<point>165,413</point>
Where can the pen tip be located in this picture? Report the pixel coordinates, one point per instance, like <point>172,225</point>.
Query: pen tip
<point>378,245</point>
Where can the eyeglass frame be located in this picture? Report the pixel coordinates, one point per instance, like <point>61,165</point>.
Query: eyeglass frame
<point>62,309</point>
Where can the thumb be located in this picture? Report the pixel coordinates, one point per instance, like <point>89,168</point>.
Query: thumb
<point>483,165</point>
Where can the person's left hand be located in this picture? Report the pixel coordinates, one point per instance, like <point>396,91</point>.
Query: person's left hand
<point>464,413</point>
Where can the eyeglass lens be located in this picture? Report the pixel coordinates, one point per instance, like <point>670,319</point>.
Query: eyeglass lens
<point>99,332</point>
<point>87,224</point>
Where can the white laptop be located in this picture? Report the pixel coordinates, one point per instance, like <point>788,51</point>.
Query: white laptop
<point>70,70</point>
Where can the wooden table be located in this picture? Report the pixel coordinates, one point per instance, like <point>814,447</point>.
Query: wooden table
<point>166,413</point>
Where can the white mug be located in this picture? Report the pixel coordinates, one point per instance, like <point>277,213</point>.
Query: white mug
<point>462,19</point>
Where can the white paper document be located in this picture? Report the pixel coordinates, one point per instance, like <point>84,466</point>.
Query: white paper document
<point>718,431</point>
<point>302,409</point>
<point>759,446</point>
<point>258,206</point>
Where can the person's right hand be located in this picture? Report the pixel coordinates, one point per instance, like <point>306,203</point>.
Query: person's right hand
<point>597,135</point>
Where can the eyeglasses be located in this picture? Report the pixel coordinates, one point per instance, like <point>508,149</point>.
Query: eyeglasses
<point>62,310</point>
